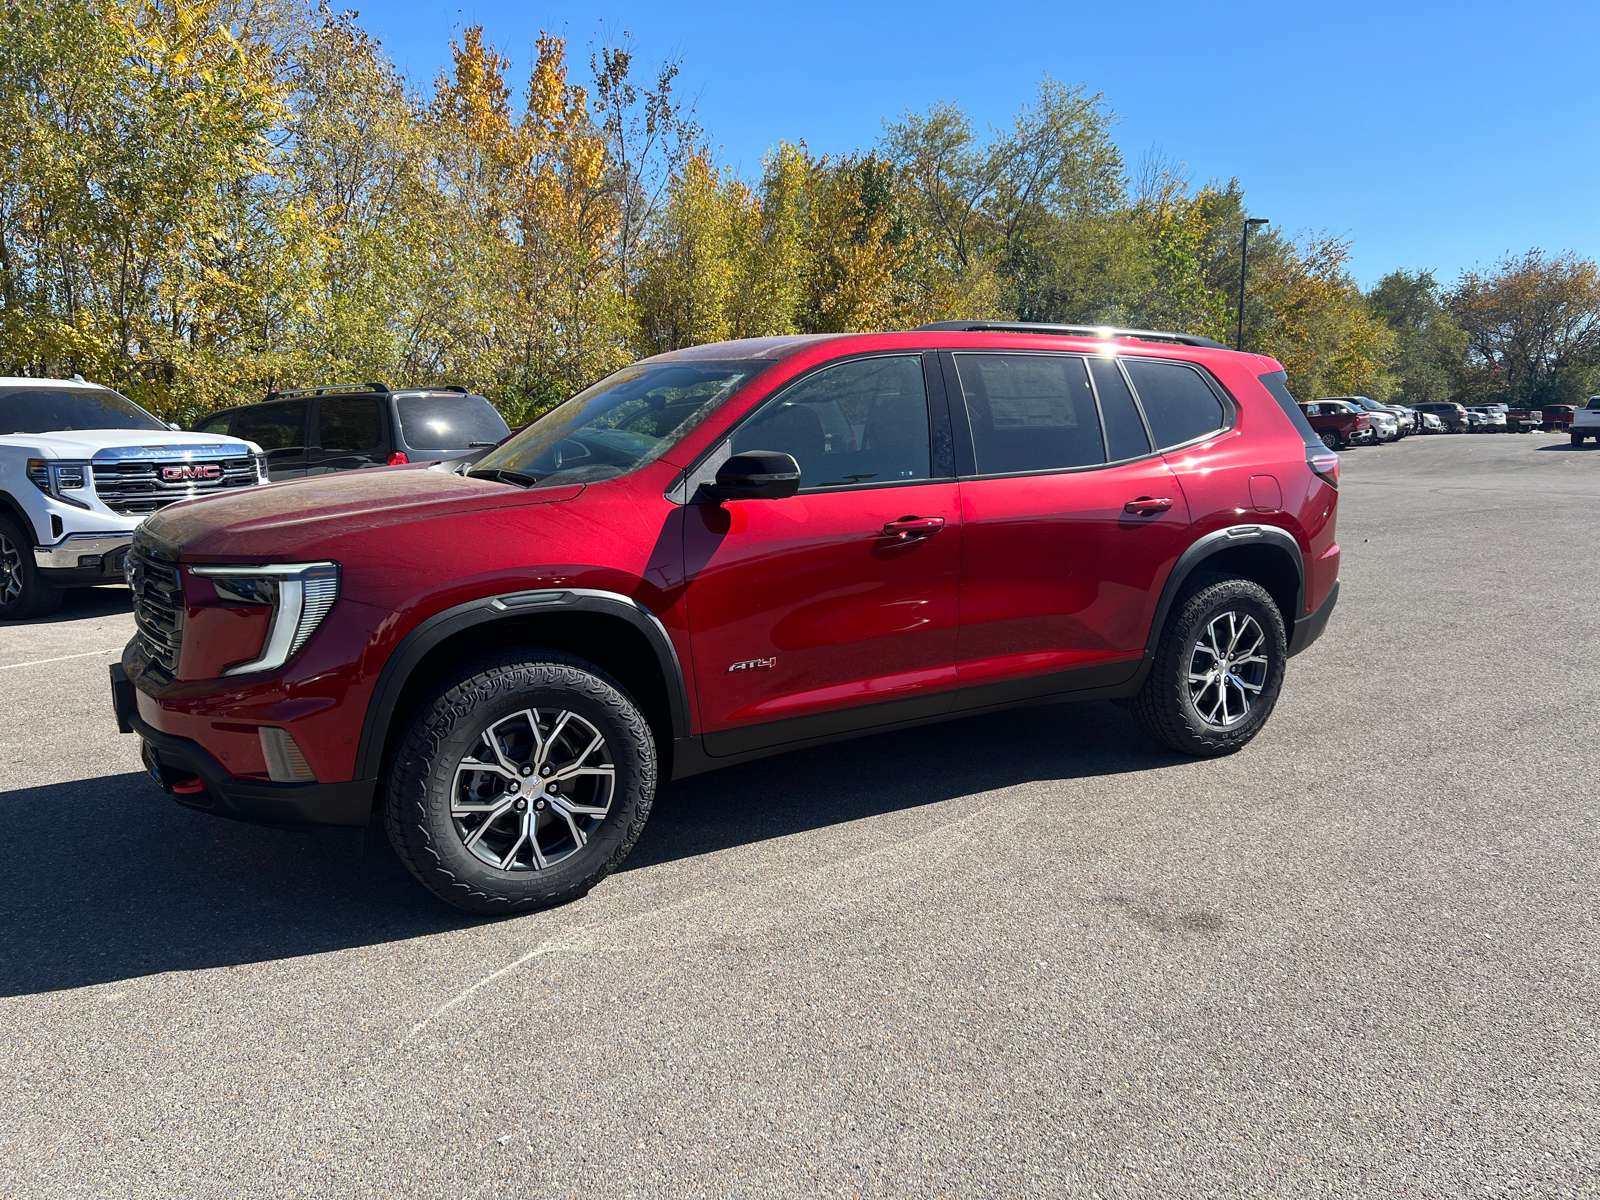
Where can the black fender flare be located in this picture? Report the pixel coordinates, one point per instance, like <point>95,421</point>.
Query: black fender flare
<point>414,647</point>
<point>1214,543</point>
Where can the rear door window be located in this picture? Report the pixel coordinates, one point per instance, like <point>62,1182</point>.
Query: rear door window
<point>280,430</point>
<point>1179,404</point>
<point>1030,412</point>
<point>215,424</point>
<point>349,426</point>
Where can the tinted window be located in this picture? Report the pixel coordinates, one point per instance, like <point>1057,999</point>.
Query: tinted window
<point>214,424</point>
<point>1178,403</point>
<point>1125,433</point>
<point>863,421</point>
<point>273,426</point>
<point>621,423</point>
<point>1030,412</point>
<point>53,410</point>
<point>349,425</point>
<point>449,422</point>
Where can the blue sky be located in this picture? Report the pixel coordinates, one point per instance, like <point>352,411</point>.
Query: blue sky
<point>1433,135</point>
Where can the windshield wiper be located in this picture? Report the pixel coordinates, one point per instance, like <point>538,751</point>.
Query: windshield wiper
<point>520,478</point>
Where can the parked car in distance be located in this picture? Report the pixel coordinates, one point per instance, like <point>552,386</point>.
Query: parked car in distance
<point>1401,425</point>
<point>349,427</point>
<point>677,570</point>
<point>1454,416</point>
<point>1476,421</point>
<point>80,466</point>
<point>1523,420</point>
<point>1558,417</point>
<point>1337,424</point>
<point>1431,423</point>
<point>1586,422</point>
<point>1494,416</point>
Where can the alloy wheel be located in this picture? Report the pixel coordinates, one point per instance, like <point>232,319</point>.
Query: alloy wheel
<point>533,789</point>
<point>1228,669</point>
<point>10,571</point>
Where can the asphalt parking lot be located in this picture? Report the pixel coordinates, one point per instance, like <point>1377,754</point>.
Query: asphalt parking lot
<point>1026,954</point>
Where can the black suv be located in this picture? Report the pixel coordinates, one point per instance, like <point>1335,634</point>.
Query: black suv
<point>348,426</point>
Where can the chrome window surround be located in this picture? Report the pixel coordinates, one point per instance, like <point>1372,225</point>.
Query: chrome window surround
<point>306,592</point>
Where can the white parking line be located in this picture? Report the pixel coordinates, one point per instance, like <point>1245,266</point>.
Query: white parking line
<point>39,662</point>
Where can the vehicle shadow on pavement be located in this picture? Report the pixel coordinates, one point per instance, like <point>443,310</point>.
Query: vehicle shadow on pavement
<point>130,884</point>
<point>1569,448</point>
<point>108,879</point>
<point>884,773</point>
<point>82,604</point>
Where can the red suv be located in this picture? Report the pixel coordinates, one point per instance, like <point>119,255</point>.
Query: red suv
<point>728,552</point>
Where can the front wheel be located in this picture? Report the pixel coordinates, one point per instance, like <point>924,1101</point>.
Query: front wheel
<point>1217,672</point>
<point>23,592</point>
<point>521,784</point>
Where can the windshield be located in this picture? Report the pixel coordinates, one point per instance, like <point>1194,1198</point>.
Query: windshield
<point>449,421</point>
<point>57,410</point>
<point>620,424</point>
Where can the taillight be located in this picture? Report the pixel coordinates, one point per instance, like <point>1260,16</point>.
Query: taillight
<point>398,458</point>
<point>1326,465</point>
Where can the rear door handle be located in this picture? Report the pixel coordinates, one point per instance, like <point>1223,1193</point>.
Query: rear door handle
<point>913,527</point>
<point>1145,506</point>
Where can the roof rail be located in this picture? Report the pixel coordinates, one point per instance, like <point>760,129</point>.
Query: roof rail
<point>328,389</point>
<point>1094,331</point>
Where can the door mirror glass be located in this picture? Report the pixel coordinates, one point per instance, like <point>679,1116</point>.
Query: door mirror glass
<point>756,475</point>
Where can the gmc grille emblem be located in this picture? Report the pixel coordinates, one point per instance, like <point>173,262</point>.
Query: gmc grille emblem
<point>191,471</point>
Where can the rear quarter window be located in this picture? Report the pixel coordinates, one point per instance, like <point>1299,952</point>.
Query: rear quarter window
<point>1277,385</point>
<point>1178,403</point>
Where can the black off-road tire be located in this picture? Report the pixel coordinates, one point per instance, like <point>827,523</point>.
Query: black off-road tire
<point>447,725</point>
<point>24,593</point>
<point>1164,706</point>
<point>1577,439</point>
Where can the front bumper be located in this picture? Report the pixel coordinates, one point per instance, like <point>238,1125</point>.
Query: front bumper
<point>179,762</point>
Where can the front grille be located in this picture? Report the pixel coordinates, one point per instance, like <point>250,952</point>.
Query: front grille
<point>157,608</point>
<point>137,489</point>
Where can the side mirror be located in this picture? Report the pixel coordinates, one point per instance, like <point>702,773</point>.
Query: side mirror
<point>756,475</point>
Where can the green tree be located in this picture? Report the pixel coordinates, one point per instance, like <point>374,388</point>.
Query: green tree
<point>1430,348</point>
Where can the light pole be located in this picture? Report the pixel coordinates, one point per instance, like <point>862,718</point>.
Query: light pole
<point>1244,251</point>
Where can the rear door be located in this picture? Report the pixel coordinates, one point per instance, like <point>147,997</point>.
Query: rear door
<point>1070,523</point>
<point>278,428</point>
<point>352,433</point>
<point>835,608</point>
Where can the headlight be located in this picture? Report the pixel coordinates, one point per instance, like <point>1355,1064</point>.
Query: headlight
<point>261,467</point>
<point>300,595</point>
<point>54,478</point>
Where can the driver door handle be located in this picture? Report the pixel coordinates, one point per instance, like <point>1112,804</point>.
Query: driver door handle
<point>907,528</point>
<point>1146,506</point>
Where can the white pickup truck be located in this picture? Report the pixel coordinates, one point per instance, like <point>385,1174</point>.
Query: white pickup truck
<point>1586,422</point>
<point>80,467</point>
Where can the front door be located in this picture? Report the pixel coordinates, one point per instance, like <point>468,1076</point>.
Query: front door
<point>834,608</point>
<point>1070,525</point>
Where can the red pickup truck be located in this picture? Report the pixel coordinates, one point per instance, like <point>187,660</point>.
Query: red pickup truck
<point>1337,423</point>
<point>1558,417</point>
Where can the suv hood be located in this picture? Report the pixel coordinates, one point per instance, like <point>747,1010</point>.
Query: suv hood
<point>301,519</point>
<point>142,443</point>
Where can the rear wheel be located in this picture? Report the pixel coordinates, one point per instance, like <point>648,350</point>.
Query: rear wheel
<point>1218,669</point>
<point>522,784</point>
<point>1577,439</point>
<point>1330,439</point>
<point>23,592</point>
